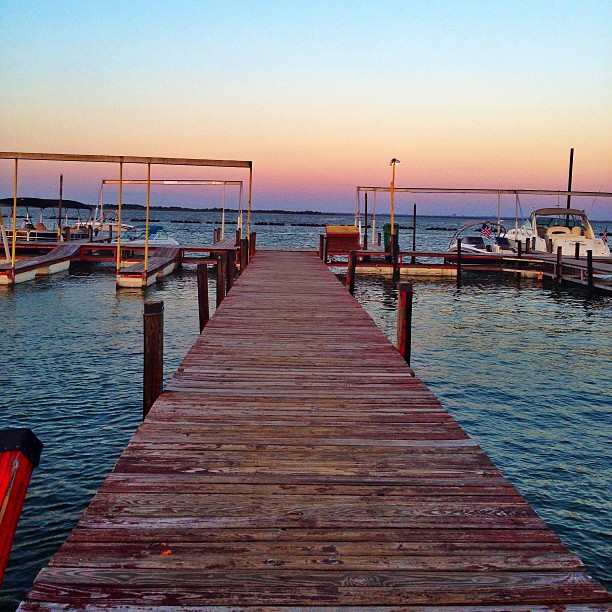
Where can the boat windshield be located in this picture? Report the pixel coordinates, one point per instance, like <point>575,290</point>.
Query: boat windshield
<point>476,241</point>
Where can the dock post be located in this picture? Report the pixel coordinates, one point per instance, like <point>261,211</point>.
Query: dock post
<point>231,267</point>
<point>244,254</point>
<point>252,245</point>
<point>238,236</point>
<point>203,306</point>
<point>519,249</point>
<point>404,319</point>
<point>153,354</point>
<point>350,272</point>
<point>590,270</point>
<point>394,255</point>
<point>526,245</point>
<point>379,238</point>
<point>325,247</point>
<point>19,454</point>
<point>577,251</point>
<point>559,267</point>
<point>458,262</point>
<point>321,239</point>
<point>414,219</point>
<point>221,277</point>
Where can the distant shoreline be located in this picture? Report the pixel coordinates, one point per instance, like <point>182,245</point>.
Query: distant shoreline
<point>279,211</point>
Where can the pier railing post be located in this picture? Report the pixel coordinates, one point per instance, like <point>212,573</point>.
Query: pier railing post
<point>321,238</point>
<point>414,225</point>
<point>350,272</point>
<point>238,237</point>
<point>231,267</point>
<point>577,251</point>
<point>252,245</point>
<point>395,256</point>
<point>19,454</point>
<point>325,247</point>
<point>244,254</point>
<point>404,319</point>
<point>590,270</point>
<point>458,262</point>
<point>153,354</point>
<point>559,266</point>
<point>221,277</point>
<point>203,305</point>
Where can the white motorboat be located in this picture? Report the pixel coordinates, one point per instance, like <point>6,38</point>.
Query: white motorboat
<point>137,235</point>
<point>550,228</point>
<point>481,238</point>
<point>103,221</point>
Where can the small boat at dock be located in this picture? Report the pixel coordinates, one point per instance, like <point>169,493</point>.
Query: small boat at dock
<point>481,238</point>
<point>137,235</point>
<point>568,228</point>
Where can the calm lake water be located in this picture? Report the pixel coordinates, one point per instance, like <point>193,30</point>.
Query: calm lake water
<point>524,369</point>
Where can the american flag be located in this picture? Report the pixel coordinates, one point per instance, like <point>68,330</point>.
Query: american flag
<point>485,230</point>
<point>604,236</point>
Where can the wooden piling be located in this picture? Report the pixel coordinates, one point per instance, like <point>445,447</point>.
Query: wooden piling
<point>379,238</point>
<point>458,262</point>
<point>321,240</point>
<point>414,220</point>
<point>527,245</point>
<point>325,247</point>
<point>365,229</point>
<point>404,319</point>
<point>238,237</point>
<point>252,245</point>
<point>350,273</point>
<point>244,254</point>
<point>559,266</point>
<point>153,378</point>
<point>203,305</point>
<point>231,268</point>
<point>19,454</point>
<point>590,270</point>
<point>577,251</point>
<point>221,277</point>
<point>394,255</point>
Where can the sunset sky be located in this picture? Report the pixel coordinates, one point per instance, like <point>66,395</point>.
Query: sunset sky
<point>320,95</point>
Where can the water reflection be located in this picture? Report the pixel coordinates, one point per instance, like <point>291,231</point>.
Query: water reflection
<point>524,369</point>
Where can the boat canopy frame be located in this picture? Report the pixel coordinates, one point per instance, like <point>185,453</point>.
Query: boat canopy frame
<point>121,160</point>
<point>480,191</point>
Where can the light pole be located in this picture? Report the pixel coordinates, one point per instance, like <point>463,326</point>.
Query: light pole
<point>393,163</point>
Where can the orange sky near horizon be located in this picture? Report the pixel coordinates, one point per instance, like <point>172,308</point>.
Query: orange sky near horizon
<point>320,97</point>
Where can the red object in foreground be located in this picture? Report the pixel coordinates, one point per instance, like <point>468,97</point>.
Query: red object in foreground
<point>19,454</point>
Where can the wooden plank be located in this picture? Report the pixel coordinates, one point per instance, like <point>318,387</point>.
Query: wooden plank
<point>294,460</point>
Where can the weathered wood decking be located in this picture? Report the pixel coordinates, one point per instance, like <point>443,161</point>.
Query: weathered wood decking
<point>295,461</point>
<point>56,259</point>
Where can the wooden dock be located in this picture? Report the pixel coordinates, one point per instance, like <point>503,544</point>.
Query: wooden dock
<point>294,460</point>
<point>56,260</point>
<point>163,261</point>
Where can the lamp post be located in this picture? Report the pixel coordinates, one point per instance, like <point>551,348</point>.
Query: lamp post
<point>393,163</point>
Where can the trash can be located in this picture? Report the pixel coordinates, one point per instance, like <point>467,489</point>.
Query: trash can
<point>387,235</point>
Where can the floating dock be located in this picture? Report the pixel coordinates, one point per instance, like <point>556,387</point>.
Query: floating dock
<point>295,460</point>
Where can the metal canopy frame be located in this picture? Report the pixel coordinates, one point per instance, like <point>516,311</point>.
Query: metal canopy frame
<point>121,159</point>
<point>484,191</point>
<point>174,182</point>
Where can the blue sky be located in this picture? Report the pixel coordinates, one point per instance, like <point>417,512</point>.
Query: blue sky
<point>319,95</point>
